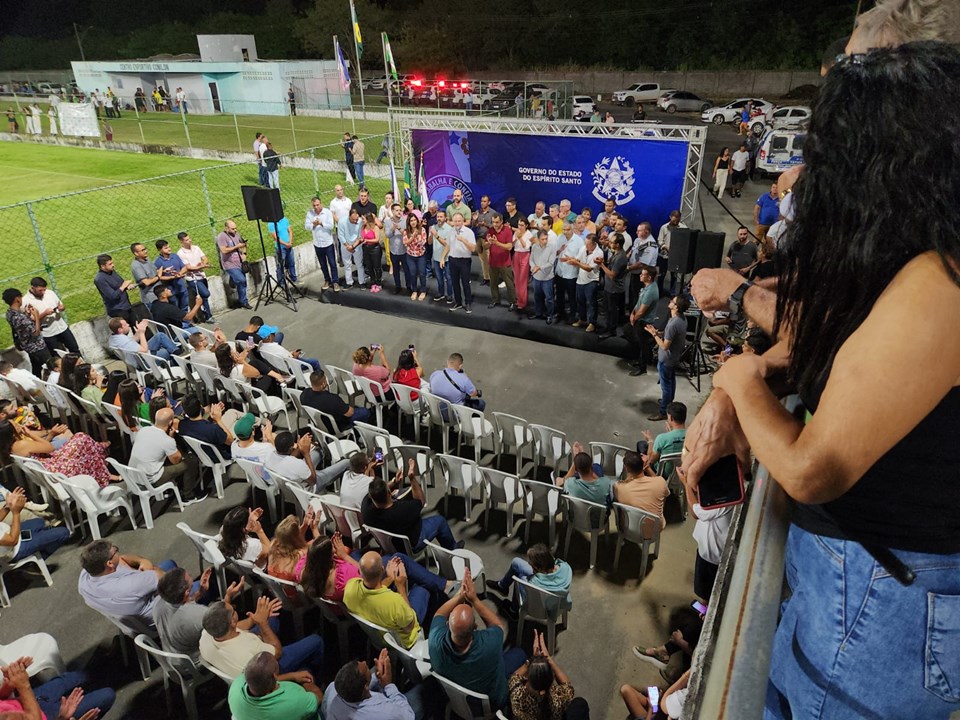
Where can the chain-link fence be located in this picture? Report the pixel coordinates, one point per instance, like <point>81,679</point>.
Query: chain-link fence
<point>60,237</point>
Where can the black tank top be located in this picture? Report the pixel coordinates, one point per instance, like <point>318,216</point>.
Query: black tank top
<point>723,164</point>
<point>910,498</point>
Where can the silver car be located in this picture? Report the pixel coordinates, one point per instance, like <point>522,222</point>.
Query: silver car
<point>683,101</point>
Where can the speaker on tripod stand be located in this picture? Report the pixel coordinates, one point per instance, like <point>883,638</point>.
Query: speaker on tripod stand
<point>264,205</point>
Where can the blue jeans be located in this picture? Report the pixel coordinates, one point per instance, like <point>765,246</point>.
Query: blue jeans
<point>668,385</point>
<point>587,302</point>
<point>520,568</point>
<point>444,283</point>
<point>358,170</point>
<point>261,175</point>
<point>361,414</point>
<point>565,296</point>
<point>200,288</point>
<point>181,296</point>
<point>49,693</point>
<point>854,643</point>
<point>423,586</point>
<point>327,259</point>
<point>162,346</point>
<point>435,527</point>
<point>459,269</point>
<point>240,282</point>
<point>285,259</point>
<point>400,262</point>
<point>45,539</point>
<point>306,654</point>
<point>417,273</point>
<point>543,297</point>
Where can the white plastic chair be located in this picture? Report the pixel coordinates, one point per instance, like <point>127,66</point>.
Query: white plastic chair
<point>209,376</point>
<point>211,458</point>
<point>326,423</point>
<point>460,699</point>
<point>473,425</point>
<point>344,383</point>
<point>667,469</point>
<point>540,499</point>
<point>461,475</point>
<point>375,395</point>
<point>256,474</point>
<point>42,647</point>
<point>50,489</point>
<point>259,403</point>
<point>127,434</point>
<point>140,486</point>
<point>95,501</point>
<point>438,414</point>
<point>207,552</point>
<point>375,633</point>
<point>403,394</point>
<point>609,457</point>
<point>391,543</point>
<point>415,661</point>
<point>339,448</point>
<point>8,564</point>
<point>163,372</point>
<point>291,398</point>
<point>541,606</point>
<point>499,488</point>
<point>512,434</point>
<point>585,516</point>
<point>130,627</point>
<point>290,594</point>
<point>639,527</point>
<point>451,564</point>
<point>347,519</point>
<point>336,614</point>
<point>551,447</point>
<point>306,499</point>
<point>56,403</point>
<point>424,461</point>
<point>177,667</point>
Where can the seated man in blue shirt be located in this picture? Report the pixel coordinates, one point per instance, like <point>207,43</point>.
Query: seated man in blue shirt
<point>160,345</point>
<point>452,384</point>
<point>170,270</point>
<point>358,694</point>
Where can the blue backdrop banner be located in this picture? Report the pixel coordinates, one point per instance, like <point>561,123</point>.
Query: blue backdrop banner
<point>645,176</point>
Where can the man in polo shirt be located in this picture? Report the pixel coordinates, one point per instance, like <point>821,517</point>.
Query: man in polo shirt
<point>195,262</point>
<point>166,312</point>
<point>565,211</point>
<point>144,274</point>
<point>742,253</point>
<point>370,597</point>
<point>319,397</point>
<point>282,234</point>
<point>119,585</point>
<point>171,271</point>
<point>565,282</point>
<point>581,480</point>
<point>451,383</point>
<point>482,223</point>
<point>458,255</point>
<point>53,326</point>
<point>766,211</point>
<point>459,206</point>
<point>233,250</point>
<point>499,243</point>
<point>178,612</point>
<point>643,313</point>
<point>667,443</point>
<point>155,452</point>
<point>261,693</point>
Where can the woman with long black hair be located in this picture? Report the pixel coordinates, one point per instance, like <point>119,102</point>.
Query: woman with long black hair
<point>868,317</point>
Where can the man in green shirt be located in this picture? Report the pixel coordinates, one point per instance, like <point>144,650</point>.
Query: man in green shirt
<point>459,206</point>
<point>259,695</point>
<point>667,443</point>
<point>643,313</point>
<point>582,482</point>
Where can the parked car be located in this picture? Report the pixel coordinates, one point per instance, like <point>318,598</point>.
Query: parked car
<point>503,101</point>
<point>582,107</point>
<point>683,101</point>
<point>790,116</point>
<point>377,83</point>
<point>638,92</point>
<point>730,112</point>
<point>780,150</point>
<point>45,88</point>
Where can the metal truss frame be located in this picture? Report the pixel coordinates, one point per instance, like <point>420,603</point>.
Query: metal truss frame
<point>403,122</point>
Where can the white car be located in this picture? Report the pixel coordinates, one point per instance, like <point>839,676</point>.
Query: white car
<point>780,150</point>
<point>377,83</point>
<point>731,111</point>
<point>791,117</point>
<point>582,106</point>
<point>638,93</point>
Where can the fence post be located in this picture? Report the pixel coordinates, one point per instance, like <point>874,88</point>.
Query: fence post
<point>293,131</point>
<point>206,197</point>
<point>237,128</point>
<point>143,138</point>
<point>186,130</point>
<point>48,268</point>
<point>313,166</point>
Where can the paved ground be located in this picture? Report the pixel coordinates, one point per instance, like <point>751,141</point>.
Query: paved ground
<point>589,396</point>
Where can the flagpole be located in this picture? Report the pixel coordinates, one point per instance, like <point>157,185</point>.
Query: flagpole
<point>356,48</point>
<point>337,53</point>
<point>386,72</point>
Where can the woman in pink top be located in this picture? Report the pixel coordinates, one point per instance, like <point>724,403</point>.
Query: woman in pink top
<point>522,240</point>
<point>288,552</point>
<point>363,367</point>
<point>372,251</point>
<point>328,568</point>
<point>415,240</point>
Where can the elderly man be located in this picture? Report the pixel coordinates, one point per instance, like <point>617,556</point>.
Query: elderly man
<point>351,246</point>
<point>119,585</point>
<point>319,223</point>
<point>359,694</point>
<point>178,612</point>
<point>451,383</point>
<point>499,243</point>
<point>120,341</point>
<point>586,261</point>
<point>56,333</point>
<point>459,254</point>
<point>233,253</point>
<point>417,590</point>
<point>543,258</point>
<point>472,658</point>
<point>195,262</point>
<point>565,282</point>
<point>228,643</point>
<point>262,693</point>
<point>566,213</point>
<point>155,452</point>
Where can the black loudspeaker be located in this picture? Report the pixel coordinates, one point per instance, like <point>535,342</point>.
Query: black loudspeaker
<point>262,203</point>
<point>683,243</point>
<point>709,252</point>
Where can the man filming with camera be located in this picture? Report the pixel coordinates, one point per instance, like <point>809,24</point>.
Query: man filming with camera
<point>452,384</point>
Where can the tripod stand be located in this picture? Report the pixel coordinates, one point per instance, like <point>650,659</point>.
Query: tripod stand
<point>272,286</point>
<point>693,357</point>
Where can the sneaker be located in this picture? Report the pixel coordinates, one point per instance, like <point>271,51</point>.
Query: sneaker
<point>413,296</point>
<point>550,320</point>
<point>637,372</point>
<point>247,306</point>
<point>326,286</point>
<point>336,287</point>
<point>469,310</point>
<point>423,296</point>
<point>651,656</point>
<point>196,499</point>
<point>452,588</point>
<point>496,587</point>
<point>513,307</point>
<point>438,298</point>
<point>493,305</point>
<point>591,328</point>
<point>459,545</point>
<point>450,301</point>
<point>35,507</point>
<point>375,288</point>
<point>575,323</point>
<point>456,307</point>
<point>657,418</point>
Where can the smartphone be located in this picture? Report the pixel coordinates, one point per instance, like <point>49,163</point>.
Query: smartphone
<point>722,484</point>
<point>374,346</point>
<point>653,693</point>
<point>249,343</point>
<point>699,607</point>
<point>411,347</point>
<point>26,536</point>
<point>378,456</point>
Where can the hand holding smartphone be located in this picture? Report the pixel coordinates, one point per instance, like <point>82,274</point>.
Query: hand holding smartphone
<point>653,693</point>
<point>721,484</point>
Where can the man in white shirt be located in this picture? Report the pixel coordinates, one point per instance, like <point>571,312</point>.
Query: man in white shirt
<point>340,205</point>
<point>319,221</point>
<point>195,262</point>
<point>351,245</point>
<point>458,255</point>
<point>740,163</point>
<point>155,452</point>
<point>644,254</point>
<point>587,276</point>
<point>663,241</point>
<point>24,379</point>
<point>298,460</point>
<point>260,147</point>
<point>356,481</point>
<point>182,100</point>
<point>245,447</point>
<point>53,326</point>
<point>565,282</point>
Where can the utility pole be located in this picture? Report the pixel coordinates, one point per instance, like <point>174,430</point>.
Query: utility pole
<point>79,43</point>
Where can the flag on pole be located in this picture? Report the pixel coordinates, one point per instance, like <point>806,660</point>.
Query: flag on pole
<point>343,67</point>
<point>388,56</point>
<point>423,196</point>
<point>407,183</point>
<point>356,31</point>
<point>393,181</point>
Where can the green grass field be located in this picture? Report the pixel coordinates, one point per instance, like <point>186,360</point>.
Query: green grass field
<point>122,200</point>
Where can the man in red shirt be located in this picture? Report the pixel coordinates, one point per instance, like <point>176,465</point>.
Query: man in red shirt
<point>499,241</point>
